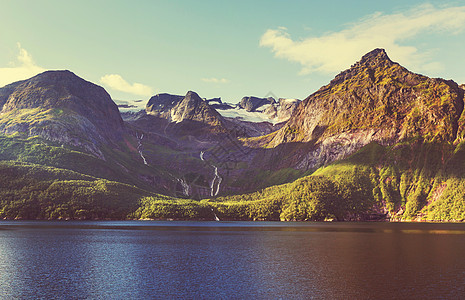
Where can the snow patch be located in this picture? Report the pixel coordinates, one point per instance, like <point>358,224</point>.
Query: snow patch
<point>130,105</point>
<point>244,115</point>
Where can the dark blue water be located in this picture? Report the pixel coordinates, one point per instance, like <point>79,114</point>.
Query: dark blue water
<point>236,260</point>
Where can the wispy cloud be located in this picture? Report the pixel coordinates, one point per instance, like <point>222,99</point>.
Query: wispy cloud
<point>118,83</point>
<point>215,80</point>
<point>22,68</point>
<point>335,51</point>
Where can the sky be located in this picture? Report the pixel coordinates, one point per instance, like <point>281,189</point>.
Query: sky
<point>227,49</point>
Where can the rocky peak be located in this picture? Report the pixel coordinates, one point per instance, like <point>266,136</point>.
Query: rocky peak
<point>194,108</point>
<point>193,97</point>
<point>375,57</point>
<point>371,63</point>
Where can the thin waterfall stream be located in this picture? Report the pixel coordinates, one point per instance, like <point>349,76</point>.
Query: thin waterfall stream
<point>216,181</point>
<point>139,147</point>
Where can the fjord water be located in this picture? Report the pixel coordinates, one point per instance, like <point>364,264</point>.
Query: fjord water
<point>230,260</point>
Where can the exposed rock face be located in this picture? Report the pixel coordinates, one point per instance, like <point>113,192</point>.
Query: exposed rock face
<point>62,107</point>
<point>6,91</point>
<point>161,104</point>
<point>282,111</point>
<point>194,108</point>
<point>375,100</point>
<point>253,103</point>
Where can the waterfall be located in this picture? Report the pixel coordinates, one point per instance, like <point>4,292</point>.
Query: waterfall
<point>139,147</point>
<point>185,186</point>
<point>216,181</point>
<point>216,217</point>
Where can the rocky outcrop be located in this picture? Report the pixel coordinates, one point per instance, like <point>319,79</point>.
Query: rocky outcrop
<point>375,100</point>
<point>252,103</point>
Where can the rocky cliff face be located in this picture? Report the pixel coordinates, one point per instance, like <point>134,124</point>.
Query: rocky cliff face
<point>62,107</point>
<point>375,100</point>
<point>160,105</point>
<point>282,110</point>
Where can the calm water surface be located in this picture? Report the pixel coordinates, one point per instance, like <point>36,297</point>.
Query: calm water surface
<point>231,260</point>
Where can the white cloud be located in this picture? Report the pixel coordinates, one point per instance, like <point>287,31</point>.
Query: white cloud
<point>336,51</point>
<point>118,83</point>
<point>215,80</point>
<point>22,68</point>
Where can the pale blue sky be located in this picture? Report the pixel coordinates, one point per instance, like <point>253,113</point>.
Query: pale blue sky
<point>225,49</point>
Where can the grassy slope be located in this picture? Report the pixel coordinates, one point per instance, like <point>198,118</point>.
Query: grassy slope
<point>41,180</point>
<point>31,191</point>
<point>409,181</point>
<point>124,166</point>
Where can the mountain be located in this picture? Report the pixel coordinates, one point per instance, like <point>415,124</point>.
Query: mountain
<point>177,109</point>
<point>252,103</point>
<point>217,104</point>
<point>375,100</point>
<point>161,104</point>
<point>282,110</point>
<point>379,143</point>
<point>57,119</point>
<point>62,107</point>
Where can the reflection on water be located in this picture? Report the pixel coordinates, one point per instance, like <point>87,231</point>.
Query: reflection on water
<point>230,260</point>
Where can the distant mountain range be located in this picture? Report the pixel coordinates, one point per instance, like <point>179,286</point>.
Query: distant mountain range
<point>377,143</point>
<point>249,109</point>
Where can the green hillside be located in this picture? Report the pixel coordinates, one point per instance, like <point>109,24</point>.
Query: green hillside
<point>31,191</point>
<point>409,181</point>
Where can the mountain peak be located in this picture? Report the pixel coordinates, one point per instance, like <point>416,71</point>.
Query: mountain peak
<point>57,77</point>
<point>376,54</point>
<point>375,58</point>
<point>192,96</point>
<point>194,108</point>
